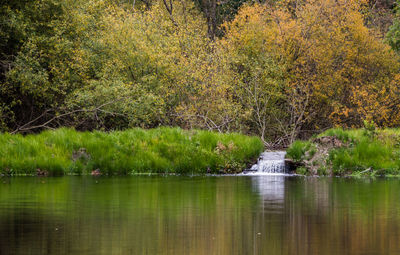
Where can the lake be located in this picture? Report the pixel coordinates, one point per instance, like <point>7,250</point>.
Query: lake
<point>199,215</point>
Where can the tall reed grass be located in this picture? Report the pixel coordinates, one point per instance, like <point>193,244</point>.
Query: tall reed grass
<point>160,150</point>
<point>362,152</point>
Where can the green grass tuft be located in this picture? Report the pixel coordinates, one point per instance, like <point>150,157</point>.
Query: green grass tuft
<point>297,151</point>
<point>363,152</point>
<point>160,150</point>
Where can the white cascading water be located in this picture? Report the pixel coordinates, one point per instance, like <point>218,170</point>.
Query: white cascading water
<point>270,162</point>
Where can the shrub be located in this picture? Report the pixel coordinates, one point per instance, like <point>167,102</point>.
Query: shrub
<point>297,150</point>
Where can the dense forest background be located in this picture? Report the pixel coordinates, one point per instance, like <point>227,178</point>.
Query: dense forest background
<point>281,69</point>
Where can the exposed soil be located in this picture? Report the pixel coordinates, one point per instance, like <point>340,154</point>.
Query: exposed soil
<point>317,156</point>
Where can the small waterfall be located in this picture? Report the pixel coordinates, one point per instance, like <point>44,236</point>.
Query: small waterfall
<point>270,162</point>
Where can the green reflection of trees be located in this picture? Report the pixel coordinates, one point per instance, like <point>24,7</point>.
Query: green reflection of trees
<point>198,215</point>
<point>168,215</point>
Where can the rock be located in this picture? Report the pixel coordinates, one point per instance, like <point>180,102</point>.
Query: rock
<point>96,172</point>
<point>40,172</point>
<point>291,165</point>
<point>80,154</point>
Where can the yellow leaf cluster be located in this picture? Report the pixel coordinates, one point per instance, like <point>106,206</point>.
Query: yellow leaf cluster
<point>335,70</point>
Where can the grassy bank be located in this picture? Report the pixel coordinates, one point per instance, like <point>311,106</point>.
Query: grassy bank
<point>161,150</point>
<point>349,152</point>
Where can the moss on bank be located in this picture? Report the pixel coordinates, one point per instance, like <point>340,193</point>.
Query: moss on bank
<point>349,152</point>
<point>160,150</point>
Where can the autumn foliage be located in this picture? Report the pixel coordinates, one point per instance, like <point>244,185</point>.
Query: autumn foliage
<point>280,70</point>
<point>321,66</point>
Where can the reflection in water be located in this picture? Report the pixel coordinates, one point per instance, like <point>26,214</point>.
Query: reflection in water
<point>199,215</point>
<point>271,188</point>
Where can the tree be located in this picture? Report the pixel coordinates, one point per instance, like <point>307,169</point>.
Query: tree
<point>322,56</point>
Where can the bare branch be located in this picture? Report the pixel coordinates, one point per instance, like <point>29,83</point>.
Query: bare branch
<point>28,126</point>
<point>169,9</point>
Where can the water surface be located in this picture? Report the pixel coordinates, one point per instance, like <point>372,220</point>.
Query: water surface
<point>199,215</point>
